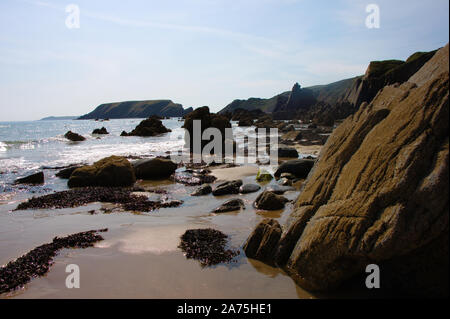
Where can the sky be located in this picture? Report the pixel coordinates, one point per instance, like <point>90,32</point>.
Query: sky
<point>195,52</point>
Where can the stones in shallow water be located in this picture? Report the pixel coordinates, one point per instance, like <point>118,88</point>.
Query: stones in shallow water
<point>37,262</point>
<point>285,182</point>
<point>37,178</point>
<point>202,190</point>
<point>262,244</point>
<point>270,201</point>
<point>299,168</point>
<point>188,178</point>
<point>263,176</point>
<point>74,137</point>
<point>230,187</point>
<point>249,188</point>
<point>230,205</point>
<point>207,246</point>
<point>154,168</point>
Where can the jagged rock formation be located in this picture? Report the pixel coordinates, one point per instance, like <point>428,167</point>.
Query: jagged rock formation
<point>136,109</point>
<point>323,104</point>
<point>208,120</point>
<point>149,127</point>
<point>378,194</point>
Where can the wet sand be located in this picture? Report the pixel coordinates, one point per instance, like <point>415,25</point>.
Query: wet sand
<point>139,257</point>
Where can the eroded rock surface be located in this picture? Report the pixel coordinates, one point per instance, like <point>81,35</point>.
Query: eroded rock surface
<point>379,193</point>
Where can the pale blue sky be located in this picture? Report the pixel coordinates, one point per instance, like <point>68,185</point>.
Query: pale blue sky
<point>195,52</point>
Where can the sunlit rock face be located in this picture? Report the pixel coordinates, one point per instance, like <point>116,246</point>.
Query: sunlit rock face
<point>378,193</point>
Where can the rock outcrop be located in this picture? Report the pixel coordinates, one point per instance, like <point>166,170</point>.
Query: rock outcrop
<point>74,137</point>
<point>111,171</point>
<point>37,178</point>
<point>101,131</point>
<point>149,127</point>
<point>378,194</point>
<point>208,120</point>
<point>137,109</point>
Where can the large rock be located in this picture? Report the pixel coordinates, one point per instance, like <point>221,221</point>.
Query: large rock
<point>74,137</point>
<point>300,168</point>
<point>263,242</point>
<point>111,171</point>
<point>149,127</point>
<point>207,120</point>
<point>268,200</point>
<point>37,178</point>
<point>379,194</point>
<point>154,168</point>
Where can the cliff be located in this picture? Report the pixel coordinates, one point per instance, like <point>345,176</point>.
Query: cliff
<point>378,194</point>
<point>137,109</point>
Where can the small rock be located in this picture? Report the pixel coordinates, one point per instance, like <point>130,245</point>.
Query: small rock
<point>279,190</point>
<point>231,187</point>
<point>263,176</point>
<point>202,190</point>
<point>230,205</point>
<point>263,242</point>
<point>154,168</point>
<point>287,175</point>
<point>285,182</point>
<point>249,188</point>
<point>74,137</point>
<point>299,168</point>
<point>100,131</point>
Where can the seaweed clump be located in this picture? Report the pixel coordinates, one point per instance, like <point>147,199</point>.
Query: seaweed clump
<point>207,246</point>
<point>81,196</point>
<point>38,261</point>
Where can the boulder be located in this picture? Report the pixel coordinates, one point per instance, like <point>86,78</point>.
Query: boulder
<point>287,152</point>
<point>154,168</point>
<point>249,188</point>
<point>379,194</point>
<point>230,187</point>
<point>112,171</point>
<point>100,131</point>
<point>300,168</point>
<point>37,178</point>
<point>263,176</point>
<point>74,137</point>
<point>149,127</point>
<point>207,120</point>
<point>230,205</point>
<point>263,241</point>
<point>202,190</point>
<point>268,200</point>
